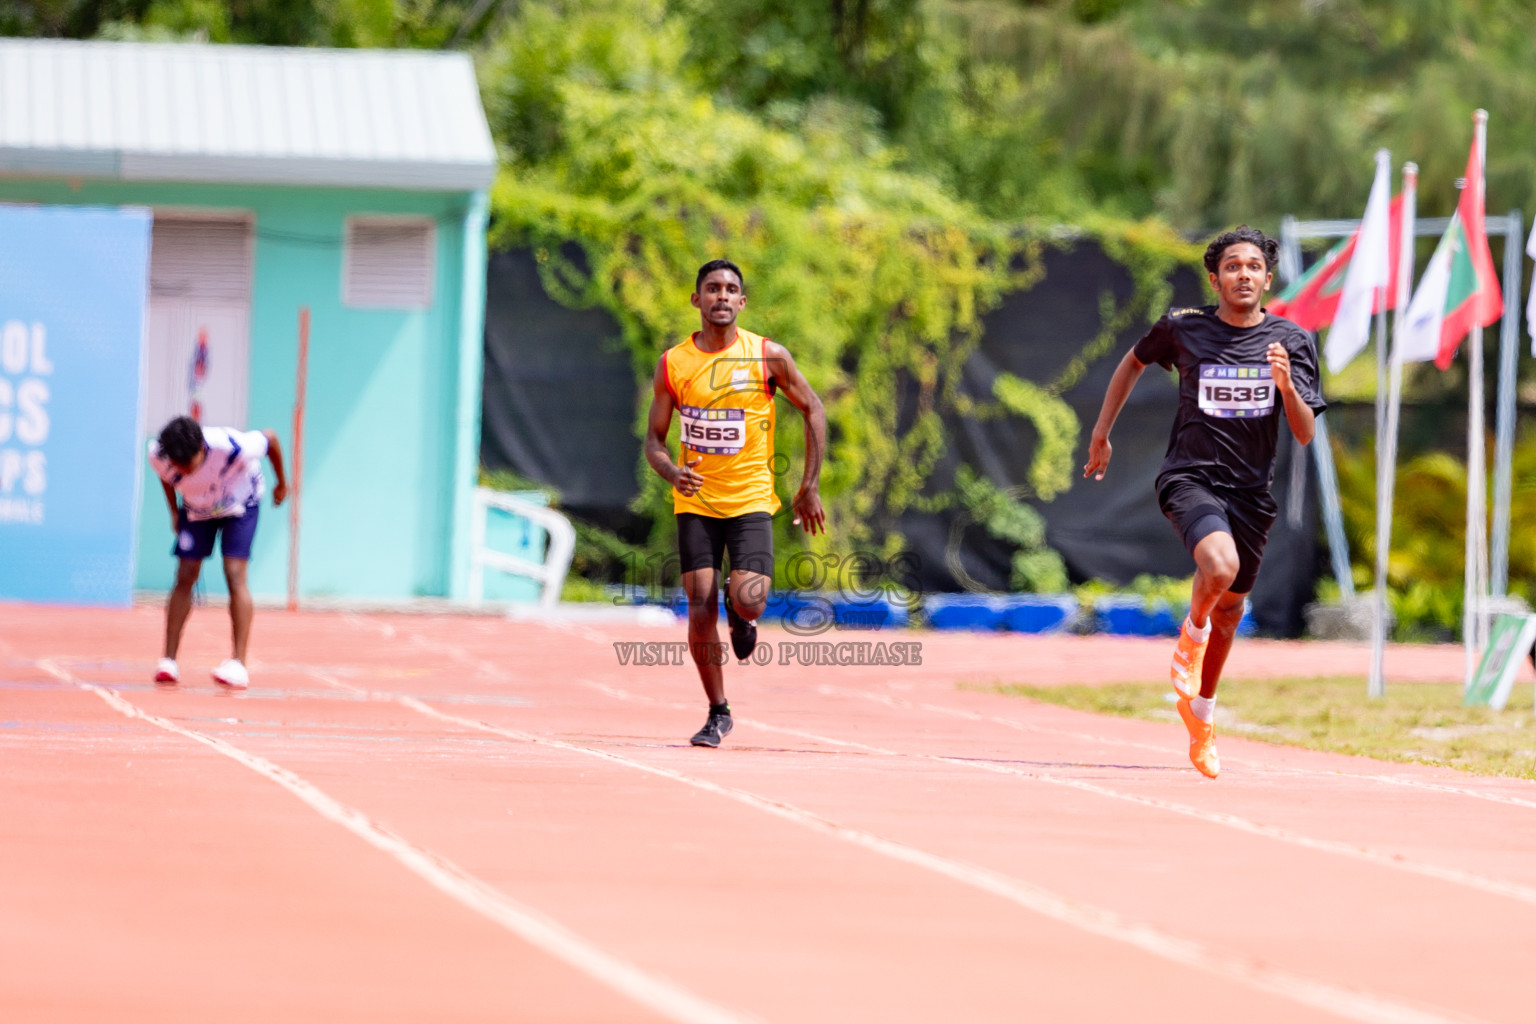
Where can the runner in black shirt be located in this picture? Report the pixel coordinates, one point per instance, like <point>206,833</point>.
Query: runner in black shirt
<point>1236,364</point>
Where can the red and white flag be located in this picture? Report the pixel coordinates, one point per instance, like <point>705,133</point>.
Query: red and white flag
<point>1459,289</point>
<point>1312,299</point>
<point>1369,270</point>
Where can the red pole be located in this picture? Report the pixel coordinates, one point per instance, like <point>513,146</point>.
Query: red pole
<point>297,490</point>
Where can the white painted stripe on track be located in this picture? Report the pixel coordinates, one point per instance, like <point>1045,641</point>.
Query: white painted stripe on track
<point>1438,787</point>
<point>1394,780</point>
<point>1455,876</point>
<point>1350,1003</point>
<point>595,637</point>
<point>901,703</point>
<point>540,931</point>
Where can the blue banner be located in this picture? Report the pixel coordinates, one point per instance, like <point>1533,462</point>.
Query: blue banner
<point>73,287</point>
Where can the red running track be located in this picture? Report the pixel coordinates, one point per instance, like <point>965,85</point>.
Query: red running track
<point>458,818</point>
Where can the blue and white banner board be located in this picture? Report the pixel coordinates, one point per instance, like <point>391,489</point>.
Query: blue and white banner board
<point>73,288</point>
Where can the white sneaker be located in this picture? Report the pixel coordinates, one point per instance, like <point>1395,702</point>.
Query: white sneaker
<point>232,674</point>
<point>167,672</point>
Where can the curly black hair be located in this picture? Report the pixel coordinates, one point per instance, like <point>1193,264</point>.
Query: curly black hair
<point>714,265</point>
<point>1253,236</point>
<point>181,440</point>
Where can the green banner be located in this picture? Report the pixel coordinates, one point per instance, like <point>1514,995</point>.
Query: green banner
<point>1508,642</point>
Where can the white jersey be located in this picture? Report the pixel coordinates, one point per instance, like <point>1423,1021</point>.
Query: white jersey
<point>229,478</point>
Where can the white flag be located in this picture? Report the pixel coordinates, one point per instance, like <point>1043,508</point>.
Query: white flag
<point>1418,340</point>
<point>1368,270</point>
<point>1530,303</point>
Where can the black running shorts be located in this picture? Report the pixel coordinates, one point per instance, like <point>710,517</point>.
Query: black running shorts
<point>1197,509</point>
<point>703,540</point>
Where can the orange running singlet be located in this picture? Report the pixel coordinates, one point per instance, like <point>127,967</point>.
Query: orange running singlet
<point>728,417</point>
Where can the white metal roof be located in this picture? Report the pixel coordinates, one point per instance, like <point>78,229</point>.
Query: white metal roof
<point>253,114</point>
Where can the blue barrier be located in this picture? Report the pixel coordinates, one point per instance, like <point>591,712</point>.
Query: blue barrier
<point>964,611</point>
<point>798,612</point>
<point>1018,613</point>
<point>1040,613</point>
<point>1131,615</point>
<point>813,613</point>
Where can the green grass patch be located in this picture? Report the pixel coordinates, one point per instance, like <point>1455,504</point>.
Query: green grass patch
<point>1419,722</point>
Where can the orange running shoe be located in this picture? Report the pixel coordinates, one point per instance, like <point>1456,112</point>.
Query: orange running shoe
<point>1202,741</point>
<point>1188,660</point>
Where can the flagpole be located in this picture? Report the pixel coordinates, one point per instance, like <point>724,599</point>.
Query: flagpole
<point>1381,371</point>
<point>1477,526</point>
<point>1504,414</point>
<point>1377,685</point>
<point>1477,511</point>
<point>1386,456</point>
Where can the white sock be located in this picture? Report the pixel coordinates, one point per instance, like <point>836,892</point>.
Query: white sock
<point>1199,634</point>
<point>1204,708</point>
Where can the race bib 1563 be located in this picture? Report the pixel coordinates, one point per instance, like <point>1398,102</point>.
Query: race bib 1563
<point>1232,391</point>
<point>714,431</point>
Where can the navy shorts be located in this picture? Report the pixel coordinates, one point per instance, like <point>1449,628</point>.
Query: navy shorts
<point>1197,510</point>
<point>195,537</point>
<point>702,541</point>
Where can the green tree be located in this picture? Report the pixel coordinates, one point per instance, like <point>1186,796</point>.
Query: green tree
<point>874,278</point>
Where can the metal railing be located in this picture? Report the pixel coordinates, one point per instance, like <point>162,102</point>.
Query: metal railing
<point>557,555</point>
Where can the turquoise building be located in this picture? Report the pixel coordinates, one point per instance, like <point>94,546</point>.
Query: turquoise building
<point>348,184</point>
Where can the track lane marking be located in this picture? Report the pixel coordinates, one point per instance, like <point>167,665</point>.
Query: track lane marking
<point>593,636</point>
<point>542,932</point>
<point>1351,1003</point>
<point>901,703</point>
<point>1455,876</point>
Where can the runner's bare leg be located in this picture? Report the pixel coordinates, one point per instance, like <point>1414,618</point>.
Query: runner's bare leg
<point>701,587</point>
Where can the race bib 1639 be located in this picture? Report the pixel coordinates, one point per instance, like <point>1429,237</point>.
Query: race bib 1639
<point>714,431</point>
<point>1236,391</point>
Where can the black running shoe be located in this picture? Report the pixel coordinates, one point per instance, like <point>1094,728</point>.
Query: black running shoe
<point>743,633</point>
<point>716,729</point>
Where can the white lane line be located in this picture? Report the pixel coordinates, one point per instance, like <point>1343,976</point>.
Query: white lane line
<point>902,704</point>
<point>652,991</point>
<point>1482,883</point>
<point>899,702</point>
<point>1455,876</point>
<point>1470,880</point>
<point>1438,787</point>
<point>1433,787</point>
<point>1347,1002</point>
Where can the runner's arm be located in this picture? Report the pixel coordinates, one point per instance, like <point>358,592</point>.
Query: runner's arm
<point>170,499</point>
<point>1120,385</point>
<point>275,455</point>
<point>786,376</point>
<point>660,421</point>
<point>1298,415</point>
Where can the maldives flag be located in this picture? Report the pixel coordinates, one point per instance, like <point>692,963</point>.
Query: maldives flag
<point>1459,289</point>
<point>1312,299</point>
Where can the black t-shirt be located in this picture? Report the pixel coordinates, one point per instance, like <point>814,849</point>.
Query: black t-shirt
<point>1229,408</point>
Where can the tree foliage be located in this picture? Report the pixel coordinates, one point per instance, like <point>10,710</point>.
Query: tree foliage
<point>886,169</point>
<point>1209,114</point>
<point>1429,527</point>
<point>345,23</point>
<point>875,279</point>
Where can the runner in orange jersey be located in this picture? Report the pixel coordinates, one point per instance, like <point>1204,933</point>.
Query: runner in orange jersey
<point>721,381</point>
